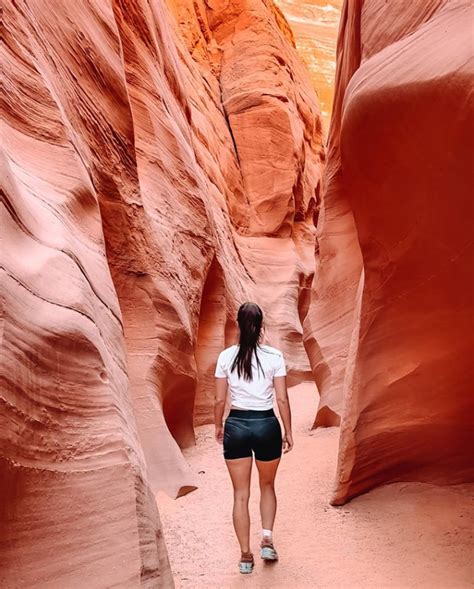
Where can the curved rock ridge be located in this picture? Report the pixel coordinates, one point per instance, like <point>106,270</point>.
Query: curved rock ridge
<point>389,329</point>
<point>161,164</point>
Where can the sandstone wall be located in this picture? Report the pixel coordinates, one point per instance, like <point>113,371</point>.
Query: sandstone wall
<point>160,166</point>
<point>391,317</point>
<point>315,25</point>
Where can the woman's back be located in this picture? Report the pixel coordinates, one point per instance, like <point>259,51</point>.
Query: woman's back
<point>257,393</point>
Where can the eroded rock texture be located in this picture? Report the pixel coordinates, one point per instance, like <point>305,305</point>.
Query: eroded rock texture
<point>392,312</point>
<point>160,166</point>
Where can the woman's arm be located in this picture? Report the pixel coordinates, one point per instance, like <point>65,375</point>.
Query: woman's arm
<point>281,393</point>
<point>219,406</point>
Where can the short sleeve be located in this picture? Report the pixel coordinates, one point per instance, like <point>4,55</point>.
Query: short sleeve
<point>220,372</point>
<point>281,368</point>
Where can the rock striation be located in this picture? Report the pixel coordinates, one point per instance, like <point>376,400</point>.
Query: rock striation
<point>389,330</point>
<point>161,164</point>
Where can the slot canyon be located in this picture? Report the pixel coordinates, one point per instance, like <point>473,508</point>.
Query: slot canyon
<point>164,161</point>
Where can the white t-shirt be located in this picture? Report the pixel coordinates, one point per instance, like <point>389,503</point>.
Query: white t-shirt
<point>258,393</point>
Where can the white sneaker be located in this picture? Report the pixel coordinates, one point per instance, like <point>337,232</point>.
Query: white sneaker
<point>246,563</point>
<point>267,550</point>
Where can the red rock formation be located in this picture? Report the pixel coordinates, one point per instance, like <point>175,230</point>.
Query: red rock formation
<point>328,324</point>
<point>275,127</point>
<point>399,187</point>
<point>140,210</point>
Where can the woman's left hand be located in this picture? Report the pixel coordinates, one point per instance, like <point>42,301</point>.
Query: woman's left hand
<point>220,434</point>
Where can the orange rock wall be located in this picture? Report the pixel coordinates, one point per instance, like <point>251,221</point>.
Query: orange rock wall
<point>314,24</point>
<point>395,248</point>
<point>160,166</point>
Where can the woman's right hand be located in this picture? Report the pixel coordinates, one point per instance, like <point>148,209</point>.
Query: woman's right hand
<point>287,442</point>
<point>219,434</point>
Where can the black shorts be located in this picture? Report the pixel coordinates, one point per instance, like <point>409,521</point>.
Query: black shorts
<point>248,429</point>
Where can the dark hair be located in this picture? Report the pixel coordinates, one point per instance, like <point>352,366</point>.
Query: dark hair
<point>249,318</point>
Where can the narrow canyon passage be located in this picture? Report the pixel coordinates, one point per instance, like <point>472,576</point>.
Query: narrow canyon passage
<point>400,535</point>
<point>165,161</point>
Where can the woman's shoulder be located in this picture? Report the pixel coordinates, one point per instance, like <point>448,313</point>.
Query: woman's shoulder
<point>228,351</point>
<point>271,350</point>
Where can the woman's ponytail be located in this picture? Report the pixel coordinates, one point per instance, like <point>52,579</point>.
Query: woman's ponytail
<point>250,319</point>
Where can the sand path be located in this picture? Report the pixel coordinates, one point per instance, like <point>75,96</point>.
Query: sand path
<point>398,536</point>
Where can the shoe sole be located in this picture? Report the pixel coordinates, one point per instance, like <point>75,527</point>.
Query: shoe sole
<point>268,554</point>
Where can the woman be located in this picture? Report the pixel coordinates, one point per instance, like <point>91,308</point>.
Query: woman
<point>254,373</point>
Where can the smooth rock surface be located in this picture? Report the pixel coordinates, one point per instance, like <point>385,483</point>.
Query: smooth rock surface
<point>395,248</point>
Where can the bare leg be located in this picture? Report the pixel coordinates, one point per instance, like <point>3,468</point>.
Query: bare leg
<point>268,502</point>
<point>240,470</point>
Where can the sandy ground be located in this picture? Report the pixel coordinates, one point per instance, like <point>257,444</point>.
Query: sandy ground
<point>398,536</point>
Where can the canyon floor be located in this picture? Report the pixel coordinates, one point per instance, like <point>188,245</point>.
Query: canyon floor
<point>398,536</point>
